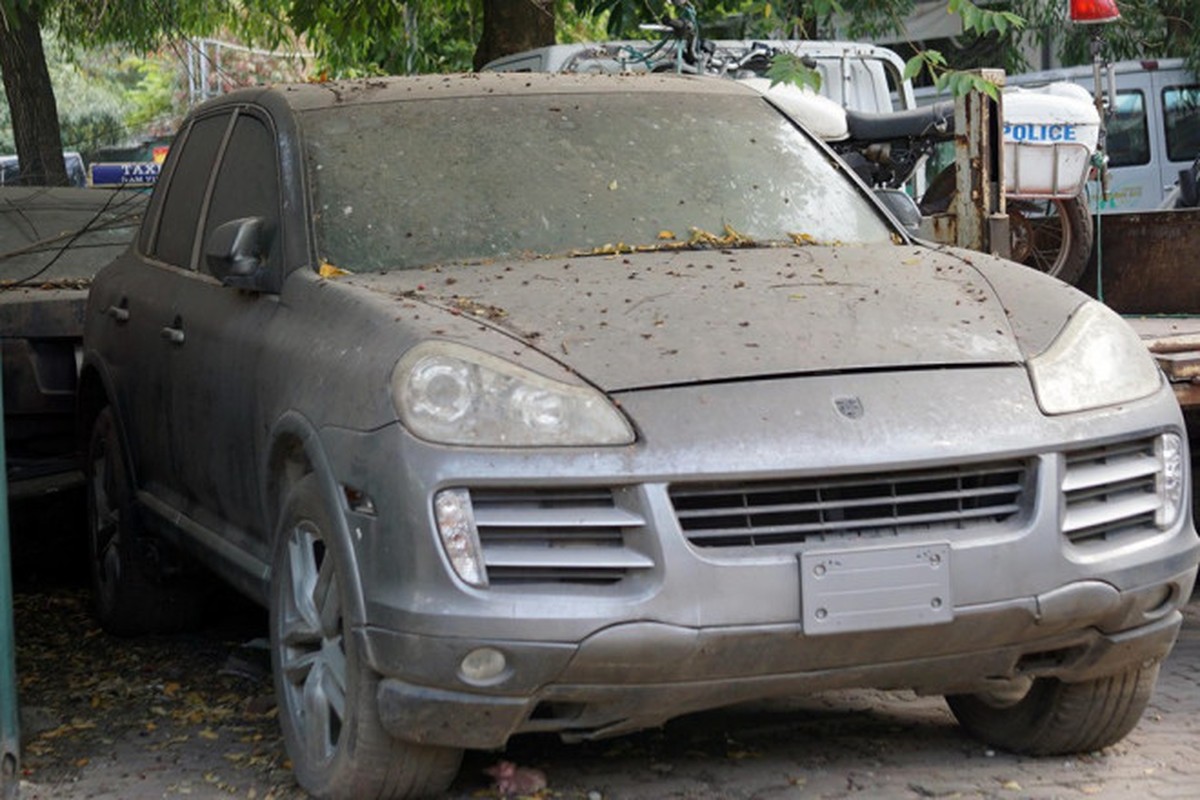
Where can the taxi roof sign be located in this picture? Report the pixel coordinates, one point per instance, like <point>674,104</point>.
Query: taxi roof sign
<point>132,173</point>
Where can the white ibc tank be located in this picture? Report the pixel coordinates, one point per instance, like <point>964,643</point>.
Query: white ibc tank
<point>1049,137</point>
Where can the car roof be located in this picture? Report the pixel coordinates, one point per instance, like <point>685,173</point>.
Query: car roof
<point>310,96</point>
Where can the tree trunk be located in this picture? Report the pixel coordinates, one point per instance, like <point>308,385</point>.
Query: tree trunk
<point>510,26</point>
<point>30,97</point>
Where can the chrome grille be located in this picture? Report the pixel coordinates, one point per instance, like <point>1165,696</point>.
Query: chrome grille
<point>564,536</point>
<point>1110,490</point>
<point>795,511</point>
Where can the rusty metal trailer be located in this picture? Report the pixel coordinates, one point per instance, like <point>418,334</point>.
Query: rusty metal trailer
<point>1146,265</point>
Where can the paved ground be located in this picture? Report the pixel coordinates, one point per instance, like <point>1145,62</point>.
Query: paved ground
<point>192,717</point>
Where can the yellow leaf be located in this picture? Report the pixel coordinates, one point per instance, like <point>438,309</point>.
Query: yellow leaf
<point>666,235</point>
<point>1012,786</point>
<point>210,734</point>
<point>803,238</point>
<point>330,271</point>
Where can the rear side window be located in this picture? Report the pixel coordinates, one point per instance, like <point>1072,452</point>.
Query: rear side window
<point>1128,141</point>
<point>185,195</point>
<point>1181,120</point>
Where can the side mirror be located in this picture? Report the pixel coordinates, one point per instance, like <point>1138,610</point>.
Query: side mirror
<point>235,252</point>
<point>902,206</point>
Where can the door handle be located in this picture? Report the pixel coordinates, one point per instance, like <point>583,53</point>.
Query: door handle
<point>172,335</point>
<point>118,313</point>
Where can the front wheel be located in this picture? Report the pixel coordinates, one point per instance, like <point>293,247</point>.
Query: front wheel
<point>1057,718</point>
<point>326,694</point>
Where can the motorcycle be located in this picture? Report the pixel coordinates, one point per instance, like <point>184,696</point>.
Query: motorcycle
<point>1050,135</point>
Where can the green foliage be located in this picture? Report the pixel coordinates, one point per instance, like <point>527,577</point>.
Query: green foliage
<point>1146,29</point>
<point>985,20</point>
<point>142,25</point>
<point>152,95</point>
<point>92,107</point>
<point>787,68</point>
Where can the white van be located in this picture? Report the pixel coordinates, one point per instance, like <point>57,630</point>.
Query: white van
<point>1153,134</point>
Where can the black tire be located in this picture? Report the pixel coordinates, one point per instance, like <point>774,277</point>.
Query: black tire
<point>1051,236</point>
<point>134,595</point>
<point>326,694</point>
<point>1058,718</point>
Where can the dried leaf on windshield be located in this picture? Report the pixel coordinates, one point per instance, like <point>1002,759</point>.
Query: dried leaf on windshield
<point>731,238</point>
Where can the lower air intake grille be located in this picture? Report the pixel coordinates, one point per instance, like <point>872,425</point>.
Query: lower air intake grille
<point>1110,490</point>
<point>796,511</point>
<point>560,536</point>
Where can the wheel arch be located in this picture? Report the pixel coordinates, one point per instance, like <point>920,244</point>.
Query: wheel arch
<point>94,392</point>
<point>296,451</point>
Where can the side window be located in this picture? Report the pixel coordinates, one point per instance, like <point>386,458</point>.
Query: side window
<point>247,182</point>
<point>1181,120</point>
<point>185,195</point>
<point>1128,141</point>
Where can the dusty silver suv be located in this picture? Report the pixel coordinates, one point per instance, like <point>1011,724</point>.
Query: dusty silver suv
<point>572,404</point>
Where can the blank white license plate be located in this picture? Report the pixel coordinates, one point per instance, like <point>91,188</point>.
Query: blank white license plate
<point>886,587</point>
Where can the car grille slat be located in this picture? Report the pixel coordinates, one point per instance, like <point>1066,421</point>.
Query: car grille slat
<point>523,517</point>
<point>1110,490</point>
<point>794,511</point>
<point>840,526</point>
<point>818,507</point>
<point>1081,476</point>
<point>557,536</point>
<point>565,558</point>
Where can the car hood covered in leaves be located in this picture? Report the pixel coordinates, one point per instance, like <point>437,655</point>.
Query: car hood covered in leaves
<point>642,320</point>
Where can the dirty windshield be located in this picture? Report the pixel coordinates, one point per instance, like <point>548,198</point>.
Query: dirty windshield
<point>403,185</point>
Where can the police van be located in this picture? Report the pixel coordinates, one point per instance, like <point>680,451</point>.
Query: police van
<point>1153,131</point>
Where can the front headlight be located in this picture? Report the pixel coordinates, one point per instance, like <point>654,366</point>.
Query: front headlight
<point>1097,360</point>
<point>448,393</point>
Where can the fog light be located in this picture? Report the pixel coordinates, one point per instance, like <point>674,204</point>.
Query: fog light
<point>483,665</point>
<point>456,527</point>
<point>1170,481</point>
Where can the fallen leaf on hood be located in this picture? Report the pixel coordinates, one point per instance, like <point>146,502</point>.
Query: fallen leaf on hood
<point>330,271</point>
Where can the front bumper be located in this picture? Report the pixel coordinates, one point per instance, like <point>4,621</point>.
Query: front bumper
<point>600,690</point>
